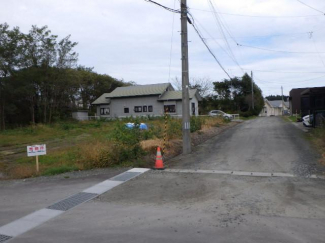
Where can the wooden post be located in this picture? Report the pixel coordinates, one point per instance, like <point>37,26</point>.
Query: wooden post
<point>37,166</point>
<point>165,133</point>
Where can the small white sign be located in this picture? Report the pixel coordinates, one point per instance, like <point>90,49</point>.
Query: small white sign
<point>36,150</point>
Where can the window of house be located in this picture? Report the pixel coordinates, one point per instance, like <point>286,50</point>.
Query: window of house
<point>138,109</point>
<point>144,108</point>
<point>104,111</point>
<point>150,108</point>
<point>126,109</point>
<point>170,108</point>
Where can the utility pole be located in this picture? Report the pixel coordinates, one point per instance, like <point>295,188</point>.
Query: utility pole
<point>252,90</point>
<point>185,82</point>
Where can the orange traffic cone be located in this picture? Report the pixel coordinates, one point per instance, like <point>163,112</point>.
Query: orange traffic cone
<point>159,161</point>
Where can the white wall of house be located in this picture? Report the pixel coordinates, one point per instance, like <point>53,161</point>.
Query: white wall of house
<point>117,107</point>
<point>266,111</point>
<point>276,111</point>
<point>270,111</point>
<point>179,107</point>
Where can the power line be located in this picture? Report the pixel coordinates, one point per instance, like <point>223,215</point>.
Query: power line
<point>298,81</point>
<point>276,71</point>
<point>219,23</point>
<point>196,21</point>
<point>281,51</point>
<point>167,8</point>
<point>206,45</point>
<point>226,27</point>
<point>264,36</point>
<point>320,57</point>
<point>171,44</point>
<point>311,7</point>
<point>260,16</point>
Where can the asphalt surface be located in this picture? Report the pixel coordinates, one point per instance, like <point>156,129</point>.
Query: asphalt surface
<point>21,197</point>
<point>161,206</point>
<point>265,145</point>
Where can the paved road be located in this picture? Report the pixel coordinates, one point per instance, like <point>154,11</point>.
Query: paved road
<point>265,145</point>
<point>170,206</point>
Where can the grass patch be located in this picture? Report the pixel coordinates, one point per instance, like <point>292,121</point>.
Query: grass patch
<point>291,118</point>
<point>43,133</point>
<point>60,170</point>
<point>94,144</point>
<point>317,137</point>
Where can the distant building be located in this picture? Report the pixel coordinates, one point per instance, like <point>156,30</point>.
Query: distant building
<point>275,108</point>
<point>80,115</point>
<point>145,100</point>
<point>309,101</point>
<point>294,100</point>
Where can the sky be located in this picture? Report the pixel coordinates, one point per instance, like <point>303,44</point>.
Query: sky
<point>280,41</point>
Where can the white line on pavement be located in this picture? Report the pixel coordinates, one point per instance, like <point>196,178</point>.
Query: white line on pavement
<point>241,173</point>
<point>39,217</point>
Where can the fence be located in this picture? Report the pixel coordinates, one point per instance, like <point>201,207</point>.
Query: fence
<point>234,116</point>
<point>319,119</point>
<point>93,118</point>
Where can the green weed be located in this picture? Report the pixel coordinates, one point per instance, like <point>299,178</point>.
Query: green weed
<point>60,170</point>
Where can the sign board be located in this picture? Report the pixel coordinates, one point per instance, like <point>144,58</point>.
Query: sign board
<point>36,150</point>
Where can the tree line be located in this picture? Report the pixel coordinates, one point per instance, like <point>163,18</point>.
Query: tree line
<point>277,97</point>
<point>230,95</point>
<point>40,79</point>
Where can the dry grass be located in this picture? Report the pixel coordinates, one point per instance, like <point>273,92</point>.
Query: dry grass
<point>22,171</point>
<point>212,122</point>
<point>318,139</point>
<point>151,143</point>
<point>95,154</point>
<point>322,159</point>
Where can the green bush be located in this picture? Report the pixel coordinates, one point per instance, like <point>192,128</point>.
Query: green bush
<point>247,113</point>
<point>127,142</point>
<point>156,131</point>
<point>67,126</point>
<point>174,128</point>
<point>196,123</point>
<point>30,130</point>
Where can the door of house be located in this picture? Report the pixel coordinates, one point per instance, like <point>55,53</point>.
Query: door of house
<point>193,109</point>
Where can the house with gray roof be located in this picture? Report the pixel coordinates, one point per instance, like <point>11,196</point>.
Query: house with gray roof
<point>275,108</point>
<point>145,100</point>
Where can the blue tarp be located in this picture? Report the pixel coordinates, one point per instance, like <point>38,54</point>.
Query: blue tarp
<point>142,126</point>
